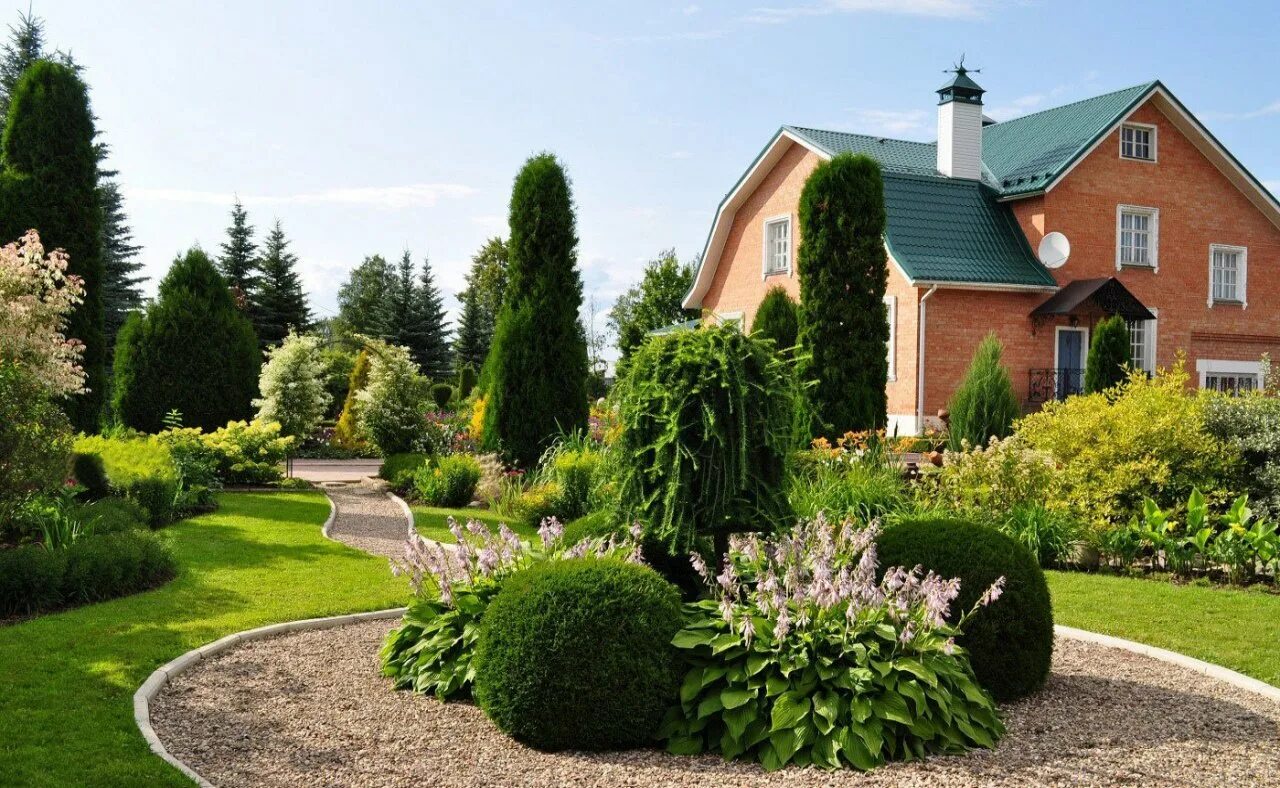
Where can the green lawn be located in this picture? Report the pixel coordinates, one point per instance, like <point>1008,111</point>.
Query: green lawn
<point>67,680</point>
<point>432,522</point>
<point>1236,629</point>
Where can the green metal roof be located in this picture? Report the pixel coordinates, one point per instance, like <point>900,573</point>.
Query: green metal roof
<point>954,230</point>
<point>919,158</point>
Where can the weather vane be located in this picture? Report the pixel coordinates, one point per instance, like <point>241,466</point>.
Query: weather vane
<point>959,68</point>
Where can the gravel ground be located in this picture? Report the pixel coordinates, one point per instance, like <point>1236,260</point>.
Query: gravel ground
<point>309,708</point>
<point>367,519</point>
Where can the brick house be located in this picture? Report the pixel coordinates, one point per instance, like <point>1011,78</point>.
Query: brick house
<point>1146,216</point>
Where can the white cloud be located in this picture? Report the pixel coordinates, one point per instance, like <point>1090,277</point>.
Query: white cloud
<point>1261,112</point>
<point>416,195</point>
<point>947,9</point>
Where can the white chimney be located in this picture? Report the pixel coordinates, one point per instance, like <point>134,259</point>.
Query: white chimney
<point>960,127</point>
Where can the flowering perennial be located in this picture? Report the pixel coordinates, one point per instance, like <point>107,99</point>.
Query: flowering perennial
<point>36,296</point>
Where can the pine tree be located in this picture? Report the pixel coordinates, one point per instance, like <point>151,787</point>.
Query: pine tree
<point>843,268</point>
<point>50,182</point>
<point>481,301</point>
<point>1110,354</point>
<point>238,264</point>
<point>279,302</point>
<point>362,298</point>
<point>428,336</point>
<point>536,372</point>
<point>25,46</point>
<point>191,350</point>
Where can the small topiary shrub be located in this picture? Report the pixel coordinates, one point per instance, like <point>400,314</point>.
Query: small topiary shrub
<point>1110,355</point>
<point>442,395</point>
<point>577,654</point>
<point>778,318</point>
<point>112,515</point>
<point>1010,644</point>
<point>466,381</point>
<point>88,470</point>
<point>450,481</point>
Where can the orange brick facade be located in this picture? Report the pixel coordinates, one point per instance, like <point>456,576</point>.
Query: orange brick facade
<point>1197,206</point>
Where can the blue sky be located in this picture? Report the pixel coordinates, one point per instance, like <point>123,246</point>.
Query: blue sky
<point>376,126</point>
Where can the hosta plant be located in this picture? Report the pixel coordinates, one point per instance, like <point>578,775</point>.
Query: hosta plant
<point>804,658</point>
<point>433,649</point>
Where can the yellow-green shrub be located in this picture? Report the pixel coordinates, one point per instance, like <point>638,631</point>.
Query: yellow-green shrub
<point>991,479</point>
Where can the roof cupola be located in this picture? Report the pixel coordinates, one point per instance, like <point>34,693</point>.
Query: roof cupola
<point>960,125</point>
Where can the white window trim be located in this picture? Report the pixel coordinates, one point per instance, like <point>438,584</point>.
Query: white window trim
<point>1154,213</point>
<point>891,305</point>
<point>1212,366</point>
<point>765,273</point>
<point>1242,282</point>
<point>1154,148</point>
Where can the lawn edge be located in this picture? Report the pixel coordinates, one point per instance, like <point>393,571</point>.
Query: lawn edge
<point>1226,675</point>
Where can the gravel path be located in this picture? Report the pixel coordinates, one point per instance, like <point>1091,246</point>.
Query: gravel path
<point>309,708</point>
<point>367,519</point>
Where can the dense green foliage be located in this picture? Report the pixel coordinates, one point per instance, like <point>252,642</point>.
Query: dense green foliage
<point>90,473</point>
<point>35,443</point>
<point>1250,424</point>
<point>861,490</point>
<point>447,481</point>
<point>984,405</point>
<point>535,376</point>
<point>577,654</point>
<point>292,383</point>
<point>191,350</point>
<point>778,319</point>
<point>466,381</point>
<point>1109,355</point>
<point>706,427</point>
<point>141,470</point>
<point>597,525</point>
<point>363,298</point>
<point>390,407</point>
<point>398,469</point>
<point>1010,643</point>
<point>653,303</point>
<point>425,331</point>
<point>92,568</point>
<point>279,304</point>
<point>481,302</point>
<point>238,261</point>
<point>843,269</point>
<point>441,395</point>
<point>50,183</point>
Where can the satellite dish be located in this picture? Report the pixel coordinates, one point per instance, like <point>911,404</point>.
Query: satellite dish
<point>1054,250</point>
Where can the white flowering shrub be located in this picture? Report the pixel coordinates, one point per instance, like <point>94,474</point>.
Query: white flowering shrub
<point>803,657</point>
<point>36,296</point>
<point>391,408</point>
<point>292,383</point>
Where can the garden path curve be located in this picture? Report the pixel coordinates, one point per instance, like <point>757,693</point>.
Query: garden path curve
<point>367,518</point>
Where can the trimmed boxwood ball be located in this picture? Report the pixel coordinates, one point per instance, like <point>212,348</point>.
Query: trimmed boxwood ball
<point>1010,643</point>
<point>576,654</point>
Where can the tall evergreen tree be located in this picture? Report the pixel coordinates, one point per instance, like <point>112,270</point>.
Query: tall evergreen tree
<point>428,335</point>
<point>238,264</point>
<point>191,350</point>
<point>536,373</point>
<point>397,303</point>
<point>121,281</point>
<point>481,301</point>
<point>279,302</point>
<point>844,325</point>
<point>25,46</point>
<point>50,182</point>
<point>362,298</point>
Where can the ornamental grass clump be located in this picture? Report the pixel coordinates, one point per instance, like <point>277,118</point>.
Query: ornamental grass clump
<point>433,649</point>
<point>804,657</point>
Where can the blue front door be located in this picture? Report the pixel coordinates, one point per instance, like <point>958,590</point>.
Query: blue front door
<point>1070,371</point>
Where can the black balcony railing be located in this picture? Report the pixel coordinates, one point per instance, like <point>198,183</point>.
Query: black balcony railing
<point>1051,384</point>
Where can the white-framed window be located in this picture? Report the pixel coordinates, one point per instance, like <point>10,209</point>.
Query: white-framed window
<point>1228,269</point>
<point>1137,236</point>
<point>891,307</point>
<point>1233,377</point>
<point>777,245</point>
<point>1142,344</point>
<point>1138,141</point>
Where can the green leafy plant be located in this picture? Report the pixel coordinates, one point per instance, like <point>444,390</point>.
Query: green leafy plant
<point>390,406</point>
<point>1050,535</point>
<point>448,481</point>
<point>292,384</point>
<point>984,406</point>
<point>805,658</point>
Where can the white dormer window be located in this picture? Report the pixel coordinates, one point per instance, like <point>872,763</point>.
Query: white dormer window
<point>1137,236</point>
<point>1138,141</point>
<point>1228,266</point>
<point>777,245</point>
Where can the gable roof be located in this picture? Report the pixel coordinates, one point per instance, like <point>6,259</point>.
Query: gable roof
<point>957,232</point>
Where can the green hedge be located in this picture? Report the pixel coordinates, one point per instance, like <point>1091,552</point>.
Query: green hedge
<point>398,469</point>
<point>139,469</point>
<point>1010,643</point>
<point>577,654</point>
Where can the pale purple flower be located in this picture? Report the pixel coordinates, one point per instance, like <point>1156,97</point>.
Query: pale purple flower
<point>477,529</point>
<point>949,647</point>
<point>728,579</point>
<point>993,593</point>
<point>908,633</point>
<point>748,630</point>
<point>726,610</point>
<point>783,624</point>
<point>488,562</point>
<point>636,530</point>
<point>455,529</point>
<point>550,531</point>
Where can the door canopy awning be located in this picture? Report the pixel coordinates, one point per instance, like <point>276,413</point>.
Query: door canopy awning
<point>1092,296</point>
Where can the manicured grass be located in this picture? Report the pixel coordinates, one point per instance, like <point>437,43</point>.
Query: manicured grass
<point>67,680</point>
<point>432,521</point>
<point>1235,629</point>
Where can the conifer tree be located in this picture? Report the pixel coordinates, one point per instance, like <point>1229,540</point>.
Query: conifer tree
<point>1110,355</point>
<point>777,318</point>
<point>279,302</point>
<point>472,343</point>
<point>481,301</point>
<point>191,350</point>
<point>428,334</point>
<point>121,281</point>
<point>397,303</point>
<point>536,372</point>
<point>984,405</point>
<point>238,263</point>
<point>843,269</point>
<point>50,182</point>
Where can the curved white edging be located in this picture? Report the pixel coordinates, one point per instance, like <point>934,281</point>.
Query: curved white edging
<point>408,513</point>
<point>333,515</point>
<point>1218,672</point>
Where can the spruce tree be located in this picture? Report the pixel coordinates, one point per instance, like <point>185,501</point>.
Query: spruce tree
<point>121,281</point>
<point>190,350</point>
<point>397,303</point>
<point>843,270</point>
<point>481,301</point>
<point>777,318</point>
<point>472,342</point>
<point>1110,355</point>
<point>238,263</point>
<point>536,373</point>
<point>428,334</point>
<point>50,182</point>
<point>279,302</point>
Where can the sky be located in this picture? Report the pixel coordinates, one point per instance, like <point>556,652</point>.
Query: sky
<point>376,127</point>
